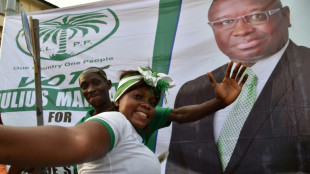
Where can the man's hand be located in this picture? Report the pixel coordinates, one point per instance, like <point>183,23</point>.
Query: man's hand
<point>229,89</point>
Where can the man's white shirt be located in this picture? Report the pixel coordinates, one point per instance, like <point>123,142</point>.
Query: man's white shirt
<point>263,70</point>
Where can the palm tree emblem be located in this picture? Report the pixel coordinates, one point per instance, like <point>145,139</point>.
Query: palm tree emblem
<point>71,34</point>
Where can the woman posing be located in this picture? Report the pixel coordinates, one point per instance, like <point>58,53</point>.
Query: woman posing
<point>105,143</point>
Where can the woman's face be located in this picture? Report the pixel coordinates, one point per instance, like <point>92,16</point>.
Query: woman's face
<point>138,106</point>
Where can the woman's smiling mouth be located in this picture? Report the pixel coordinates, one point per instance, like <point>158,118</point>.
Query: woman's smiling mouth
<point>142,114</point>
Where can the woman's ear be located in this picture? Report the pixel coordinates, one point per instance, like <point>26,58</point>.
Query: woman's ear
<point>117,104</point>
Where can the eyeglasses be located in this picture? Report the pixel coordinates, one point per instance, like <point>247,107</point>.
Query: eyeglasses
<point>251,19</point>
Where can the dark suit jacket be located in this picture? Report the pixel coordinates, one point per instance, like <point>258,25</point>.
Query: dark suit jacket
<point>275,137</point>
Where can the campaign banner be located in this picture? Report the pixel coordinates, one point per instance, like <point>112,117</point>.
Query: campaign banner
<point>70,41</point>
<point>170,36</point>
<point>124,34</point>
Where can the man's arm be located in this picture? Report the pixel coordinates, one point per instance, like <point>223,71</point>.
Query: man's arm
<point>226,93</point>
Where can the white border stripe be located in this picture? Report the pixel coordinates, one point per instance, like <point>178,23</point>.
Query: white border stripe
<point>127,79</point>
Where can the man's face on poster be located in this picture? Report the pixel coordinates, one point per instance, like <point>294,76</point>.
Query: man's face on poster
<point>246,42</point>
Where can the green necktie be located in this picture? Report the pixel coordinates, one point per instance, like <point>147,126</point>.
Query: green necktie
<point>230,132</point>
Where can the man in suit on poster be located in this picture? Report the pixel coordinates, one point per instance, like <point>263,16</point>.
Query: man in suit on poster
<point>275,134</point>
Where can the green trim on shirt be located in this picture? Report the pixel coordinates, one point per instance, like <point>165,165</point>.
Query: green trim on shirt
<point>149,134</point>
<point>89,114</point>
<point>110,130</point>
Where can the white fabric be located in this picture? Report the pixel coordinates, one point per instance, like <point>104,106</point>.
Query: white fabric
<point>152,79</point>
<point>263,70</point>
<point>128,156</point>
<point>124,80</point>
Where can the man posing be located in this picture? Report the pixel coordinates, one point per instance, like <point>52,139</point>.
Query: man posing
<point>273,135</point>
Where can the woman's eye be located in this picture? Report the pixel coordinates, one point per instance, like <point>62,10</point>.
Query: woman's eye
<point>138,96</point>
<point>153,104</point>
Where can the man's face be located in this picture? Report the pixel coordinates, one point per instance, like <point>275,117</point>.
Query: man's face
<point>248,43</point>
<point>95,89</point>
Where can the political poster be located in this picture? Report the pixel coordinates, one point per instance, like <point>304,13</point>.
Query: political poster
<point>170,36</point>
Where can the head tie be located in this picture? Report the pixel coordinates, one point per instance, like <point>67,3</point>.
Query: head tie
<point>159,82</point>
<point>96,70</point>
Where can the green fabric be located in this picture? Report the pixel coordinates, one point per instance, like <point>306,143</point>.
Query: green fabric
<point>110,130</point>
<point>237,116</point>
<point>121,89</point>
<point>159,82</point>
<point>89,113</point>
<point>159,121</point>
<point>168,17</point>
<point>148,135</point>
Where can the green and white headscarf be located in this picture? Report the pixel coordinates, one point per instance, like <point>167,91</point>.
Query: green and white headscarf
<point>159,82</point>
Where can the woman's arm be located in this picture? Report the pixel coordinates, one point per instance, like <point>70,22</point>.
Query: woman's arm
<point>53,145</point>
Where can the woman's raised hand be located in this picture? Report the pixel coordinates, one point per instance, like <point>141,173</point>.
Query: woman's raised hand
<point>229,89</point>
